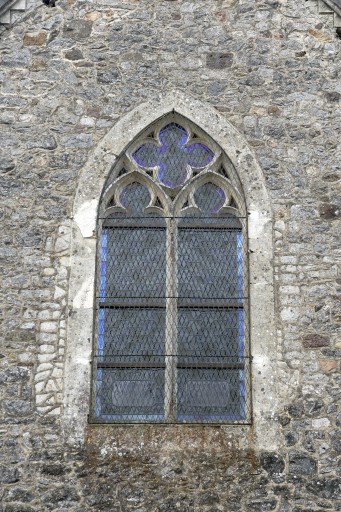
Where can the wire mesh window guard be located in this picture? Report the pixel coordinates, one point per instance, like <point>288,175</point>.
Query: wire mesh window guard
<point>171,335</point>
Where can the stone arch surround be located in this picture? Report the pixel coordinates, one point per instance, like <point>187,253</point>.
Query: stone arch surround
<point>262,434</point>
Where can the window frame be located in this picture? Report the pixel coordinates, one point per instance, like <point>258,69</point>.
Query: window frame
<point>172,200</point>
<point>268,388</point>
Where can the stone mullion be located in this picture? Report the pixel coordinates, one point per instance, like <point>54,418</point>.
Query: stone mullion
<point>171,321</point>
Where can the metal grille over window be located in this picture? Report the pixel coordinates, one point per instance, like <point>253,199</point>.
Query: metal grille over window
<point>172,329</point>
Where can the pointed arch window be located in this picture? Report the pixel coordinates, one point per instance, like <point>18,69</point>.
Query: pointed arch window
<point>171,340</point>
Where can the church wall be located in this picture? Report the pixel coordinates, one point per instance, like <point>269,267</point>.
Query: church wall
<point>69,75</point>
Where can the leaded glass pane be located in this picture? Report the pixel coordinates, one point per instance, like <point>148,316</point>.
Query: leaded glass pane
<point>135,197</point>
<point>133,262</point>
<point>210,394</point>
<point>130,394</point>
<point>209,198</point>
<point>209,263</point>
<point>210,335</point>
<point>131,334</point>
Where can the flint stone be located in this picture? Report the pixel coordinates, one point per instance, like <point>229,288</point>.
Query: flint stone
<point>19,507</point>
<point>325,488</point>
<point>77,29</point>
<point>333,96</point>
<point>18,59</point>
<point>296,410</point>
<point>30,239</point>
<point>262,505</point>
<point>80,140</point>
<point>9,475</point>
<point>18,407</point>
<point>329,211</point>
<point>299,212</point>
<point>291,438</point>
<point>12,101</point>
<point>219,60</point>
<point>313,406</point>
<point>336,441</point>
<point>54,210</point>
<point>331,352</point>
<point>272,463</point>
<point>6,164</point>
<point>53,469</point>
<point>330,177</point>
<point>19,494</point>
<point>44,142</point>
<point>315,341</point>
<point>60,497</point>
<point>108,77</point>
<point>208,498</point>
<point>302,464</point>
<point>14,374</point>
<point>73,54</point>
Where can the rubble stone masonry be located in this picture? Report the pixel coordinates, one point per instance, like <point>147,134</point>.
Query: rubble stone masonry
<point>68,75</point>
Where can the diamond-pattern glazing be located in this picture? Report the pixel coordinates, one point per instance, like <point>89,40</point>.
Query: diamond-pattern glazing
<point>172,298</point>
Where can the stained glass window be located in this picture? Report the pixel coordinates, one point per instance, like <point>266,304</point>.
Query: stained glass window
<point>171,340</point>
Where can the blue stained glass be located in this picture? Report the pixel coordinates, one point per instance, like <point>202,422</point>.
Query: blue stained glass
<point>209,198</point>
<point>135,198</point>
<point>240,264</point>
<point>101,323</point>
<point>173,156</point>
<point>103,268</point>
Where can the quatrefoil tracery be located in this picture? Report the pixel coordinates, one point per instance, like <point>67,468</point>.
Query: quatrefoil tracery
<point>173,157</point>
<point>174,174</point>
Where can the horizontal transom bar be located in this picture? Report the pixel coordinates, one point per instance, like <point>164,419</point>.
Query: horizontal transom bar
<point>150,304</point>
<point>148,364</point>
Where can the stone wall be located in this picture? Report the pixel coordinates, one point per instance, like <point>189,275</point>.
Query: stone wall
<point>68,75</point>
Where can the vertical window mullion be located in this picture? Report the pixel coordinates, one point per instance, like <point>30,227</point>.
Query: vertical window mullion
<point>171,321</point>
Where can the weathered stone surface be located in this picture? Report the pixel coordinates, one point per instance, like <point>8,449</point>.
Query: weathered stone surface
<point>272,463</point>
<point>301,464</point>
<point>315,341</point>
<point>262,505</point>
<point>73,54</point>
<point>61,497</point>
<point>328,365</point>
<point>19,507</point>
<point>68,76</point>
<point>6,164</point>
<point>77,29</point>
<point>14,374</point>
<point>18,494</point>
<point>35,39</point>
<point>330,211</point>
<point>18,407</point>
<point>325,488</point>
<point>108,76</point>
<point>9,475</point>
<point>219,60</point>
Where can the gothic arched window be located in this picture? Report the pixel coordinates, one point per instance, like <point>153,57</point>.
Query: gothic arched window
<point>171,332</point>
